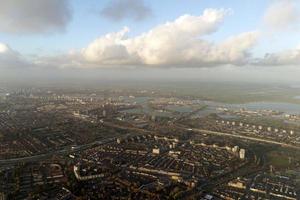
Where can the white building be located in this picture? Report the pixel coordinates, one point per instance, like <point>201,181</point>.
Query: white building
<point>292,132</point>
<point>242,154</point>
<point>118,140</point>
<point>156,151</point>
<point>235,149</point>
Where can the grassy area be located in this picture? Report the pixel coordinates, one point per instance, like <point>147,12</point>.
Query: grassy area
<point>284,158</point>
<point>278,160</point>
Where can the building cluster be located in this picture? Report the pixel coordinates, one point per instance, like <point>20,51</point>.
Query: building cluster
<point>111,144</point>
<point>19,182</point>
<point>30,130</point>
<point>292,117</point>
<point>267,132</point>
<point>260,186</point>
<point>242,112</point>
<point>152,162</point>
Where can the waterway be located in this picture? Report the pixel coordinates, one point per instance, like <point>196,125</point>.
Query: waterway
<point>286,108</point>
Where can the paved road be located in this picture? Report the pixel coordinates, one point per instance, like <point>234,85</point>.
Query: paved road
<point>243,137</point>
<point>68,150</point>
<point>84,146</point>
<point>64,151</point>
<point>214,133</point>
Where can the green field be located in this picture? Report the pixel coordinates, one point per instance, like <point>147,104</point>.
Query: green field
<point>278,160</point>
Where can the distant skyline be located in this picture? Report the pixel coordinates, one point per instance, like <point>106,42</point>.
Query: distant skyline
<point>250,40</point>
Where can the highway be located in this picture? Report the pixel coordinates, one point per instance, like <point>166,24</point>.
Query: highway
<point>242,137</point>
<point>212,133</point>
<point>69,150</point>
<point>66,150</point>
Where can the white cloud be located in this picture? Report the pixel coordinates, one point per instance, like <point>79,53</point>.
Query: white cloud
<point>282,15</point>
<point>10,58</point>
<point>179,43</point>
<point>108,49</point>
<point>3,48</point>
<point>169,43</point>
<point>288,57</point>
<point>176,43</point>
<point>34,16</point>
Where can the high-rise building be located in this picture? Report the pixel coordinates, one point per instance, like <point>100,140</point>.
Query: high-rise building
<point>235,149</point>
<point>242,153</point>
<point>156,151</point>
<point>2,196</point>
<point>118,140</point>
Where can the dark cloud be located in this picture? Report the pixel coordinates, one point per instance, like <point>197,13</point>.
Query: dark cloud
<point>120,9</point>
<point>34,16</point>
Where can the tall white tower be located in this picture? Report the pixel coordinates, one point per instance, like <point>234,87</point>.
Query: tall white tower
<point>242,154</point>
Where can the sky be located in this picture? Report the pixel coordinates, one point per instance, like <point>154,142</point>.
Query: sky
<point>232,40</point>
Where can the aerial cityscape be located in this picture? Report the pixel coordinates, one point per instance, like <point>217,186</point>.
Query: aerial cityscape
<point>63,143</point>
<point>169,100</point>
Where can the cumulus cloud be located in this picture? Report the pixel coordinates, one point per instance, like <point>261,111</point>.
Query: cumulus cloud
<point>108,49</point>
<point>10,58</point>
<point>176,43</point>
<point>288,57</point>
<point>120,9</point>
<point>179,43</point>
<point>282,15</point>
<point>34,16</point>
